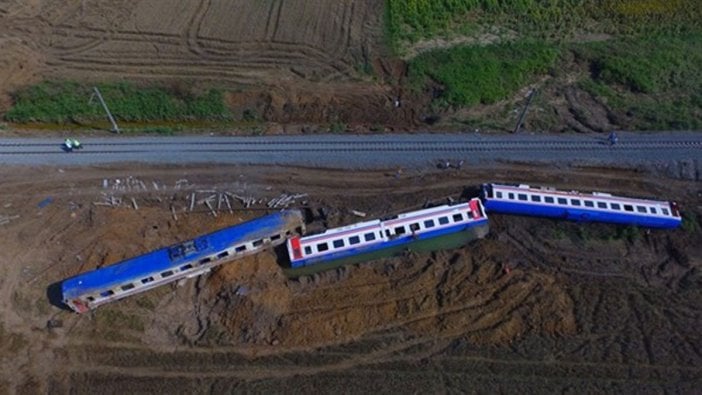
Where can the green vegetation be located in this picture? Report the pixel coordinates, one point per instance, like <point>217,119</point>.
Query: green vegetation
<point>645,60</point>
<point>338,127</point>
<point>63,102</point>
<point>408,21</point>
<point>691,222</point>
<point>654,64</point>
<point>629,233</point>
<point>473,75</point>
<point>656,79</point>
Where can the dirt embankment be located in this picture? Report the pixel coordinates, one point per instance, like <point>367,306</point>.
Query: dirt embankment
<point>578,301</point>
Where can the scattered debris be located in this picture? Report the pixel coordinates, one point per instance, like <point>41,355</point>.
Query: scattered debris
<point>358,213</point>
<point>284,200</point>
<point>134,204</point>
<point>209,205</point>
<point>54,323</point>
<point>45,202</point>
<point>229,206</point>
<point>246,201</point>
<point>7,219</point>
<point>446,164</point>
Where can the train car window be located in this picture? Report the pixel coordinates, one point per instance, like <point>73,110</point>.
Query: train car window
<point>664,211</point>
<point>562,201</point>
<point>167,273</point>
<point>511,196</point>
<point>186,267</point>
<point>628,207</point>
<point>205,260</point>
<point>400,230</point>
<point>615,206</point>
<point>322,247</point>
<point>387,233</point>
<point>498,194</point>
<point>275,237</point>
<point>601,205</point>
<point>548,199</point>
<point>223,254</point>
<point>653,210</point>
<point>369,236</point>
<point>354,240</point>
<point>535,198</point>
<point>641,209</point>
<point>575,202</point>
<point>257,243</point>
<point>522,196</point>
<point>240,248</point>
<point>90,299</point>
<point>414,227</point>
<point>443,220</point>
<point>589,203</point>
<point>308,250</point>
<point>458,217</point>
<point>429,223</point>
<point>338,243</point>
<point>147,280</point>
<point>127,287</point>
<point>107,293</point>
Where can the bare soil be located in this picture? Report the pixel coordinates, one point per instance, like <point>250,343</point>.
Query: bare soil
<point>538,306</point>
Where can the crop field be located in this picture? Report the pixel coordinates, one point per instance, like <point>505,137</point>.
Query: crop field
<point>284,60</point>
<point>412,20</point>
<point>636,60</point>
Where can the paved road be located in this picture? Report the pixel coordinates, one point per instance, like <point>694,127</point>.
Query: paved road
<point>355,151</point>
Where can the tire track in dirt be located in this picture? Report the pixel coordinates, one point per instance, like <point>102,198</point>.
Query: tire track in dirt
<point>124,366</point>
<point>193,27</point>
<point>344,37</point>
<point>282,53</point>
<point>273,20</point>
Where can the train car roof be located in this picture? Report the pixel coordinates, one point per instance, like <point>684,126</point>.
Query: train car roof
<point>591,195</point>
<point>159,260</point>
<point>377,222</point>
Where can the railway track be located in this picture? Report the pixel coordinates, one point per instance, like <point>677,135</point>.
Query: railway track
<point>325,148</point>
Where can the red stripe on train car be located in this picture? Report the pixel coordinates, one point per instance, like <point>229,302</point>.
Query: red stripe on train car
<point>295,244</point>
<point>474,209</point>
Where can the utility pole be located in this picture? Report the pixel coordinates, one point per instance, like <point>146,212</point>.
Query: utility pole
<point>526,107</point>
<point>115,128</point>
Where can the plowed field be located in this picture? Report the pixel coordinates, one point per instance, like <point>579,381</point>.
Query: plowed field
<point>581,308</point>
<point>289,61</point>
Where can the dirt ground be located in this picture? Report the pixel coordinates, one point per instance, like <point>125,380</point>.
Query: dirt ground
<point>584,308</point>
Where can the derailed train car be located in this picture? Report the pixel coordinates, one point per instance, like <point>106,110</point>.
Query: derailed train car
<point>89,290</point>
<point>447,226</point>
<point>578,206</point>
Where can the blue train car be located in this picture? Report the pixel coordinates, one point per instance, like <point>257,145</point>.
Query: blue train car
<point>577,206</point>
<point>429,229</point>
<point>188,259</point>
